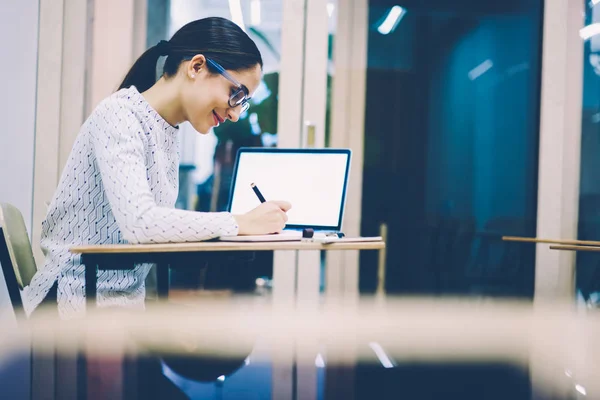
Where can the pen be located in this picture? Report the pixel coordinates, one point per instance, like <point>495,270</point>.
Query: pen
<point>258,193</point>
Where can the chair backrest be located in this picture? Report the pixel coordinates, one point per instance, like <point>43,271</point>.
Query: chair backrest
<point>15,247</point>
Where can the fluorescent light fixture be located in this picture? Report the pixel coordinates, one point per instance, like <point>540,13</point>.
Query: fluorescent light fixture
<point>588,31</point>
<point>581,389</point>
<point>331,7</point>
<point>235,8</point>
<point>383,358</point>
<point>480,69</point>
<point>391,20</point>
<point>255,13</point>
<point>319,362</point>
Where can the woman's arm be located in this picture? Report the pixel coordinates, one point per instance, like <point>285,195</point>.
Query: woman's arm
<point>117,139</point>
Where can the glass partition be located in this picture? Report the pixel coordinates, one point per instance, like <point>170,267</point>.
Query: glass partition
<point>207,161</point>
<point>451,144</point>
<point>588,273</point>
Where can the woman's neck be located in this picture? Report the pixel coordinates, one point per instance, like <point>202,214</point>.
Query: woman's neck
<point>163,96</point>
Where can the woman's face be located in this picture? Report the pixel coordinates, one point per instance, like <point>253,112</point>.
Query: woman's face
<point>205,97</point>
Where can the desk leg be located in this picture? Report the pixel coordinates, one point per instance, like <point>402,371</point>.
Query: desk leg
<point>284,294</point>
<point>163,281</point>
<point>307,297</point>
<point>91,280</point>
<point>341,288</point>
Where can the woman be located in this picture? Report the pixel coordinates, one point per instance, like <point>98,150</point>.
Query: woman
<point>121,180</point>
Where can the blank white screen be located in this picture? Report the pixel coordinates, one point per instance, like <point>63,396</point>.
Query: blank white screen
<point>312,182</point>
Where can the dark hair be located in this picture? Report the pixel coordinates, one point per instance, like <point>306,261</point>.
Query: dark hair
<point>216,38</point>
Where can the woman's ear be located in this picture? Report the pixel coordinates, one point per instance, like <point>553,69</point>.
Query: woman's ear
<point>196,65</point>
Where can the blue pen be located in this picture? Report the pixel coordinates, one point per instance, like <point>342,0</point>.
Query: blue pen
<point>258,193</point>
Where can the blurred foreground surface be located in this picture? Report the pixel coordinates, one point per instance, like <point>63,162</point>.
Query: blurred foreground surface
<point>247,347</point>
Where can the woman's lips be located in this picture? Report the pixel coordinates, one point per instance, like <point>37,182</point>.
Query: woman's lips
<point>218,118</point>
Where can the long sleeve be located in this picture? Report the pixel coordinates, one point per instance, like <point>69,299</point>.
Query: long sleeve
<point>118,140</point>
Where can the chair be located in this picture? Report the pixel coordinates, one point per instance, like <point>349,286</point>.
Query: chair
<point>16,256</point>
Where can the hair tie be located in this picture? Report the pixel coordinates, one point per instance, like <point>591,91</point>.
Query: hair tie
<point>163,47</point>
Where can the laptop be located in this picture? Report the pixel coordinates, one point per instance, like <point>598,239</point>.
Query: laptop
<point>314,181</point>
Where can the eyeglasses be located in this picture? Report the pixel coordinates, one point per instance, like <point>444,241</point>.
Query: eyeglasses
<point>240,96</point>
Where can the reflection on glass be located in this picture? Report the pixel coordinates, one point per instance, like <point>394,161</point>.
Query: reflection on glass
<point>243,348</point>
<point>451,143</point>
<point>588,271</point>
<point>207,161</point>
<point>207,187</point>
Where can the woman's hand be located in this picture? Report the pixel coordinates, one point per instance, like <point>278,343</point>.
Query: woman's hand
<point>269,217</point>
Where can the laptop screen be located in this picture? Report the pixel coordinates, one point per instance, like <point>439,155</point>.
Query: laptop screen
<point>312,180</point>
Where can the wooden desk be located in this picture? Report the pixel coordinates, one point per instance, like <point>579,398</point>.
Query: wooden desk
<point>126,256</point>
<point>562,242</point>
<point>575,248</point>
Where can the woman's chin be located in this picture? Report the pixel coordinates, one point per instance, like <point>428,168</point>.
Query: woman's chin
<point>202,129</point>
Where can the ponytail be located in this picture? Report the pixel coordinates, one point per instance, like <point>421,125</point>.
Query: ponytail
<point>142,74</point>
<point>216,38</point>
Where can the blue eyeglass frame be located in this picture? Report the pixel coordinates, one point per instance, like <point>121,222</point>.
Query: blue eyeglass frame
<point>245,100</point>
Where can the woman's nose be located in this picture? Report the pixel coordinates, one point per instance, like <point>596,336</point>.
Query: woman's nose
<point>233,114</point>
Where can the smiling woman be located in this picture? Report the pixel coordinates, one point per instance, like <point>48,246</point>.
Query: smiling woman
<point>120,182</point>
<point>192,88</point>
